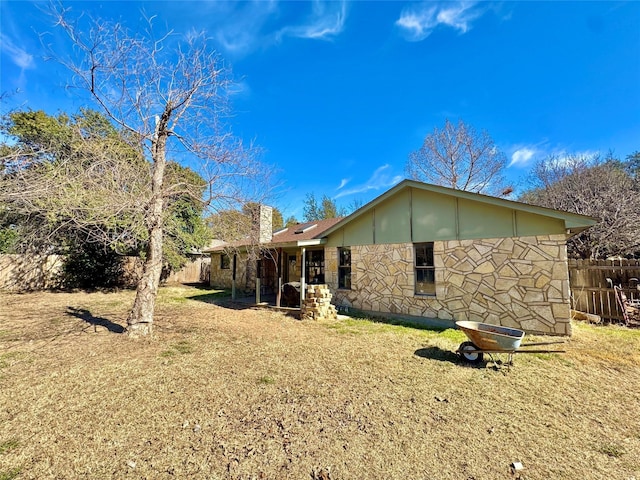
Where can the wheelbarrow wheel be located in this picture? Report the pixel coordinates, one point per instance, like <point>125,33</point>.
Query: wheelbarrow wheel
<point>468,351</point>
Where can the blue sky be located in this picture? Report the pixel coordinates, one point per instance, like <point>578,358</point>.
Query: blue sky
<point>339,93</point>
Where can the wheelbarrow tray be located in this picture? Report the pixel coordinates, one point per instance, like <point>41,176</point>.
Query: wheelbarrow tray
<point>492,337</point>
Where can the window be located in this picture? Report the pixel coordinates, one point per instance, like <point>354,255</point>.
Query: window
<point>315,267</point>
<point>225,262</point>
<point>344,268</point>
<point>425,269</point>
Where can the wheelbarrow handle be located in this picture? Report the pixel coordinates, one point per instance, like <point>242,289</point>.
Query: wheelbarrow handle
<point>538,344</point>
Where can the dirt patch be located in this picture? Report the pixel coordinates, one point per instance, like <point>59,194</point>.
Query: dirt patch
<point>227,392</point>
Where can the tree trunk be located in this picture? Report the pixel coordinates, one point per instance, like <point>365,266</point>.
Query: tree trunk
<point>140,320</point>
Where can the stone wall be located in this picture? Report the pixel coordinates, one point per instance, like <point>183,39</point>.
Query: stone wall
<point>222,278</point>
<point>520,282</point>
<point>317,304</point>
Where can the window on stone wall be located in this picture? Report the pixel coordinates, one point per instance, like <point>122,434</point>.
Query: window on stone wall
<point>344,268</point>
<point>425,270</point>
<point>225,262</point>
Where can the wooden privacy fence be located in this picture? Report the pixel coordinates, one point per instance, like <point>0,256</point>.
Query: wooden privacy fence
<point>30,272</point>
<point>33,272</point>
<point>592,284</point>
<point>196,271</point>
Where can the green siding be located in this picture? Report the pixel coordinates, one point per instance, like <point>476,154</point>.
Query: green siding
<point>434,216</point>
<point>477,220</point>
<point>336,239</point>
<point>418,215</point>
<point>393,218</point>
<point>357,232</point>
<point>531,224</point>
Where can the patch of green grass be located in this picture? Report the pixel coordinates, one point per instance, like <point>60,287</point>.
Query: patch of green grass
<point>267,380</point>
<point>612,450</point>
<point>612,331</point>
<point>211,297</point>
<point>182,347</point>
<point>10,474</point>
<point>5,357</point>
<point>452,334</point>
<point>8,445</point>
<point>359,323</point>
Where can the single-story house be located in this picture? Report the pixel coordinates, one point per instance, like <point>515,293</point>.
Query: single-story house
<point>426,251</point>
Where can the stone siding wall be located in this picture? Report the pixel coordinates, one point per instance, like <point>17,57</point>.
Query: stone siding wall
<point>518,282</point>
<point>222,277</point>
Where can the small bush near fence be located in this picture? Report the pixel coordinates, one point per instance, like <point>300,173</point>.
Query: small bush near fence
<point>93,267</point>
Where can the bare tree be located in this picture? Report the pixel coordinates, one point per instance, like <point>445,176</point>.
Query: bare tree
<point>458,157</point>
<point>168,92</point>
<point>590,186</point>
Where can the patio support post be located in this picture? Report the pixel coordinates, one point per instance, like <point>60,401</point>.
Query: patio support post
<point>233,278</point>
<point>258,268</point>
<point>279,267</point>
<point>303,285</point>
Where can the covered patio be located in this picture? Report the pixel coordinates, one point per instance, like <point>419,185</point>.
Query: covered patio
<point>276,272</point>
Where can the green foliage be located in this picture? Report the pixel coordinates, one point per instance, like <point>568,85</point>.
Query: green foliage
<point>234,225</point>
<point>277,220</point>
<point>38,130</point>
<point>90,265</point>
<point>8,239</point>
<point>185,229</point>
<point>327,208</point>
<point>89,187</point>
<point>633,167</point>
<point>291,221</point>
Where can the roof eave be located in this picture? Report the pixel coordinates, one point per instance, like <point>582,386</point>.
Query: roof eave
<point>573,221</point>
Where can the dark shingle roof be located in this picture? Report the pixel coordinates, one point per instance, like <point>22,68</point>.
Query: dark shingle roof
<point>291,235</point>
<point>307,231</point>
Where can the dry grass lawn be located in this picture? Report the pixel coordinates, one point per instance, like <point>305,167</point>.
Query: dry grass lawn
<point>229,393</point>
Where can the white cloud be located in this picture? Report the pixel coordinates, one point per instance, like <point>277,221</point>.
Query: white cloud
<point>417,22</point>
<point>381,178</point>
<point>522,157</point>
<point>326,21</point>
<point>19,56</point>
<point>343,183</point>
<point>243,27</point>
<point>240,88</point>
<point>238,25</point>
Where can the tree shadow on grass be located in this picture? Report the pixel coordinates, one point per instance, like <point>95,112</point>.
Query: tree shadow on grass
<point>86,316</point>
